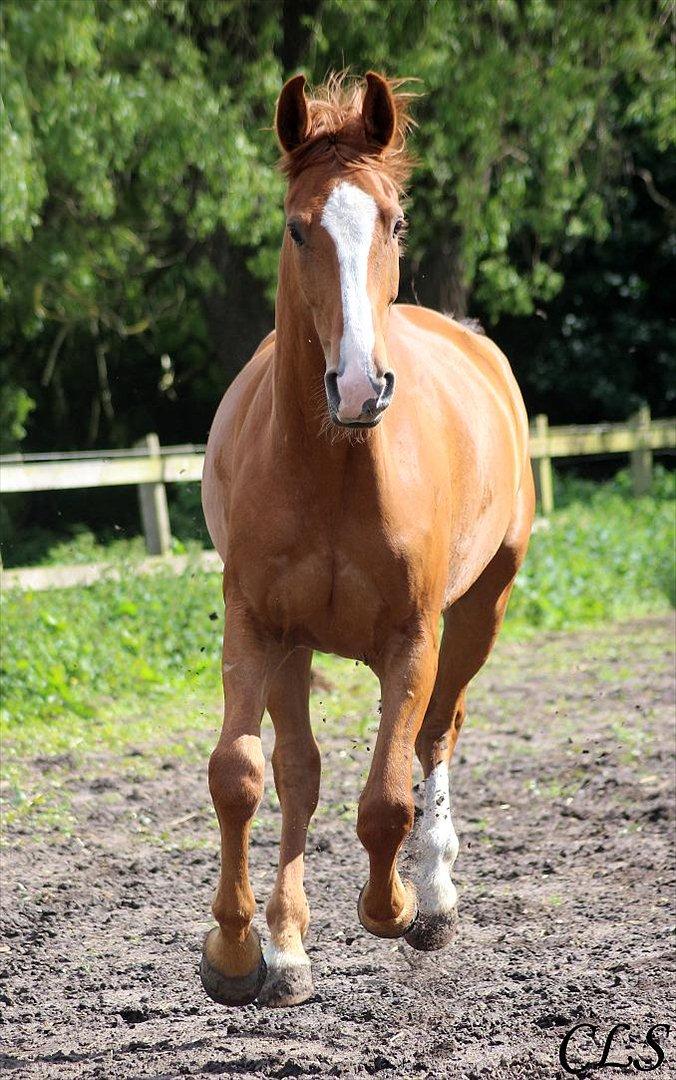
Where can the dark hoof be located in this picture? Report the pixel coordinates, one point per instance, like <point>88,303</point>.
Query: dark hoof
<point>431,932</point>
<point>229,990</point>
<point>287,986</point>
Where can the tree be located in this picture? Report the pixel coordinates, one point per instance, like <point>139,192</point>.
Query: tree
<point>142,210</point>
<point>128,161</point>
<point>524,104</point>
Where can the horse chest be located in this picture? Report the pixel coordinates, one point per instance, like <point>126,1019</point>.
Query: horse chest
<point>333,587</point>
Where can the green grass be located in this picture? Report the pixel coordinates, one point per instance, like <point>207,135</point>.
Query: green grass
<point>137,662</point>
<point>603,556</point>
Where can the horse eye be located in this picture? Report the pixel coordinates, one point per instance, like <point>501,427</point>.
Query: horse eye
<point>398,226</point>
<point>294,233</point>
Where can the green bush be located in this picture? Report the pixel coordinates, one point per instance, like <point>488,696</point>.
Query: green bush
<point>603,555</point>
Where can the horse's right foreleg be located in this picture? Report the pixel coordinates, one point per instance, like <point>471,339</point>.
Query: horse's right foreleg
<point>233,969</point>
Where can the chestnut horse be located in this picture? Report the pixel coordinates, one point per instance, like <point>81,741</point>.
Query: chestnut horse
<point>366,474</point>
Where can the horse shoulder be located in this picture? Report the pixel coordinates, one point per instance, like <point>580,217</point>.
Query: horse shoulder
<point>484,360</point>
<point>476,421</point>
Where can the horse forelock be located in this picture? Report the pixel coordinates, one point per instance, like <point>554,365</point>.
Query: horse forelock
<point>336,133</point>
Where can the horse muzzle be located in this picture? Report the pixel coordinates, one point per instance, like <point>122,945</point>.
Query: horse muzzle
<point>358,403</point>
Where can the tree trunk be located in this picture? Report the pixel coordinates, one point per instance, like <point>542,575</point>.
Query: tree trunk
<point>296,31</point>
<point>238,314</point>
<point>452,288</point>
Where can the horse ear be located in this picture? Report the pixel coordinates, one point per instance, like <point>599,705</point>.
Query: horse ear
<point>379,111</point>
<point>291,119</point>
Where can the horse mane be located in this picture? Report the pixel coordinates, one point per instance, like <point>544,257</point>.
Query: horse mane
<point>336,131</point>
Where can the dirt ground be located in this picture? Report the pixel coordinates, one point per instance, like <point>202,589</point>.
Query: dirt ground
<point>563,802</point>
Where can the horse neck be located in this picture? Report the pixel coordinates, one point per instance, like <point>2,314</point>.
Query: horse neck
<point>300,411</point>
<point>299,365</point>
<point>299,396</point>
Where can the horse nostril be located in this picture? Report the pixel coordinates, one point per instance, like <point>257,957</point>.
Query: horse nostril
<point>388,389</point>
<point>331,384</point>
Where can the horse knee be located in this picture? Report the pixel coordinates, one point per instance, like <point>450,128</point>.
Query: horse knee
<point>384,822</point>
<point>236,778</point>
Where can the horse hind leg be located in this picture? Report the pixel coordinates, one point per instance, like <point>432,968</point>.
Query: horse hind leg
<point>296,767</point>
<point>471,626</point>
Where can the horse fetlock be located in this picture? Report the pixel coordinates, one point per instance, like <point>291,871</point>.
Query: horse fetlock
<point>233,909</point>
<point>434,848</point>
<point>436,892</point>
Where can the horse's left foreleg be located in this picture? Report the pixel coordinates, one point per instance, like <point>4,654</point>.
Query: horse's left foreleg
<point>471,626</point>
<point>296,767</point>
<point>387,905</point>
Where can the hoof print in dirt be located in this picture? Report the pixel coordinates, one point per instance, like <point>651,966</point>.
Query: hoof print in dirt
<point>287,986</point>
<point>225,990</point>
<point>433,931</point>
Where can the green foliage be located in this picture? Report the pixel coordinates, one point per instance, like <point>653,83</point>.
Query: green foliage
<point>187,517</point>
<point>71,543</point>
<point>603,556</point>
<point>126,152</point>
<point>141,207</point>
<point>15,408</point>
<point>68,651</point>
<point>607,341</point>
<point>522,123</point>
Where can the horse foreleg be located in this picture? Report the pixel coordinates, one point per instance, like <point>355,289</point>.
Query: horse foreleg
<point>471,626</point>
<point>232,968</point>
<point>387,905</point>
<point>296,766</point>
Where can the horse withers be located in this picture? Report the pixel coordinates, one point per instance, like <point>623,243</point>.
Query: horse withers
<point>367,473</point>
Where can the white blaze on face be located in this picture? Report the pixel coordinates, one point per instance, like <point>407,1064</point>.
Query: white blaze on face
<point>349,217</point>
<point>436,846</point>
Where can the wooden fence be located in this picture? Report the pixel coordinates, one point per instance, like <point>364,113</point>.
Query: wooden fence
<point>150,467</point>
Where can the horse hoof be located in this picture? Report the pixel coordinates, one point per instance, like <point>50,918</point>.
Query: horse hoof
<point>231,989</point>
<point>432,931</point>
<point>287,986</point>
<point>391,928</point>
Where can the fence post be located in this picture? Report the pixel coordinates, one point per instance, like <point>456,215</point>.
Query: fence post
<point>542,468</point>
<point>641,457</point>
<point>153,505</point>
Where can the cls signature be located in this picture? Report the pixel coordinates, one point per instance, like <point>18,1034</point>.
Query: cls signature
<point>583,1068</point>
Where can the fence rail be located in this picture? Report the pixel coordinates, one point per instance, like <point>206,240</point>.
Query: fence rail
<point>149,467</point>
